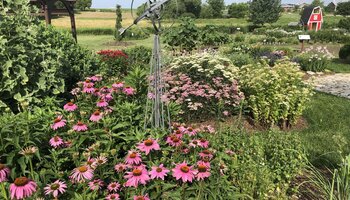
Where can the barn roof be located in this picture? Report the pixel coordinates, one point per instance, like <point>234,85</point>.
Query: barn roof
<point>306,14</point>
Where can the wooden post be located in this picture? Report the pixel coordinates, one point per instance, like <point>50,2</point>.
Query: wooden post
<point>47,11</point>
<point>70,9</point>
<point>302,46</point>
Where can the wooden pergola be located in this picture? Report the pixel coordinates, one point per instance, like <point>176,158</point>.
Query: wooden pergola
<point>47,9</point>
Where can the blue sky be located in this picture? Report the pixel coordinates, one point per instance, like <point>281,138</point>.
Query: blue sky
<point>126,3</point>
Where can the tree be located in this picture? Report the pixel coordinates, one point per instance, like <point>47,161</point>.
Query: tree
<point>343,8</point>
<point>317,3</point>
<point>330,8</point>
<point>83,4</point>
<point>193,6</point>
<point>240,10</point>
<point>118,23</point>
<point>264,11</point>
<point>217,6</point>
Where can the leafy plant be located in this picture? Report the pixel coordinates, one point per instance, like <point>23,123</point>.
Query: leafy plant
<point>211,37</point>
<point>344,52</point>
<point>275,95</point>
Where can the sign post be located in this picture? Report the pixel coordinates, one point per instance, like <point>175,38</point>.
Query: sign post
<point>303,38</point>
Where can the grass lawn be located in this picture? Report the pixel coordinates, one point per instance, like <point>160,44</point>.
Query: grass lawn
<point>98,42</point>
<point>329,129</point>
<point>339,66</point>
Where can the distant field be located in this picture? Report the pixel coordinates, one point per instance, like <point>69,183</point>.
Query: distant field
<point>107,20</point>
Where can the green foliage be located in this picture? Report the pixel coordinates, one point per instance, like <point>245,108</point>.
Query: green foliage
<point>275,95</point>
<point>212,37</point>
<point>184,36</point>
<point>330,8</point>
<point>313,62</point>
<point>344,23</point>
<point>343,8</point>
<point>118,23</point>
<point>238,10</point>
<point>240,60</point>
<point>344,52</point>
<point>326,35</point>
<point>194,7</point>
<point>262,164</point>
<point>83,4</point>
<point>217,7</point>
<point>207,12</point>
<point>264,11</point>
<point>38,61</point>
<point>318,3</point>
<point>139,56</point>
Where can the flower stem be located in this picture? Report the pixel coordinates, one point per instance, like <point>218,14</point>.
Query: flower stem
<point>31,168</point>
<point>200,190</point>
<point>4,193</point>
<point>183,191</point>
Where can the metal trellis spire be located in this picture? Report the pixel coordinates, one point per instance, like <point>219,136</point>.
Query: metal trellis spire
<point>156,114</point>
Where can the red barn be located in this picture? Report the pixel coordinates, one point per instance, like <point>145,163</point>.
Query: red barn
<point>312,18</point>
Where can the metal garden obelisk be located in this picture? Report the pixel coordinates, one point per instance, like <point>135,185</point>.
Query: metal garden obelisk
<point>156,114</point>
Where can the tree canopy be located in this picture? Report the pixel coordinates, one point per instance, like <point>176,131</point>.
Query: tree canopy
<point>264,11</point>
<point>240,10</point>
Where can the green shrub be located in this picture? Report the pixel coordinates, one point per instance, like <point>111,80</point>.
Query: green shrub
<point>275,95</point>
<point>37,61</point>
<point>185,36</point>
<point>260,165</point>
<point>313,62</point>
<point>344,52</point>
<point>239,37</point>
<point>344,23</point>
<point>240,60</point>
<point>211,37</point>
<point>139,55</point>
<point>333,36</point>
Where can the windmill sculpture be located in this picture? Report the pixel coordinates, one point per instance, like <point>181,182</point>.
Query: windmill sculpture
<point>156,114</point>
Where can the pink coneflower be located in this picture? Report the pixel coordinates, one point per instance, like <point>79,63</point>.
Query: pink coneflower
<point>81,173</point>
<point>112,197</point>
<point>100,161</point>
<point>203,171</point>
<point>113,187</point>
<point>159,172</point>
<point>97,92</point>
<point>203,143</point>
<point>108,97</point>
<point>86,83</point>
<point>184,172</point>
<point>223,168</point>
<point>141,197</point>
<point>136,176</point>
<point>101,103</point>
<point>96,184</point>
<point>22,188</point>
<point>121,167</point>
<point>70,107</point>
<point>193,143</point>
<point>80,127</point>
<point>133,158</point>
<point>55,188</point>
<point>118,85</point>
<point>173,140</point>
<point>58,123</point>
<point>90,161</point>
<point>105,89</point>
<point>56,141</point>
<point>96,116</point>
<point>225,113</point>
<point>206,154</point>
<point>96,78</point>
<point>129,91</point>
<point>4,172</point>
<point>89,88</point>
<point>148,145</point>
<point>191,131</point>
<point>178,133</point>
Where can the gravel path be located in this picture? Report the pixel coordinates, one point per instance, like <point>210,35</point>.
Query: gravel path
<point>336,84</point>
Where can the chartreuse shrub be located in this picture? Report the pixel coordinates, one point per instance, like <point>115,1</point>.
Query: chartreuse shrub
<point>260,165</point>
<point>204,85</point>
<point>36,61</point>
<point>275,95</point>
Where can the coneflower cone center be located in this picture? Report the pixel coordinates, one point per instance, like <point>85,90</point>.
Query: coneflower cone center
<point>70,104</point>
<point>202,168</point>
<point>178,132</point>
<point>133,155</point>
<point>97,113</point>
<point>56,139</point>
<point>148,142</point>
<point>206,152</point>
<point>55,186</point>
<point>100,161</point>
<point>113,185</point>
<point>185,169</point>
<point>22,181</point>
<point>57,120</point>
<point>195,142</point>
<point>190,129</point>
<point>113,196</point>
<point>159,170</point>
<point>140,198</point>
<point>82,169</point>
<point>203,140</point>
<point>175,139</point>
<point>137,172</point>
<point>2,166</point>
<point>222,167</point>
<point>80,124</point>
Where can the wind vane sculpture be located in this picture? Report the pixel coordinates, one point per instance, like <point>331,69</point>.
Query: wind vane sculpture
<point>156,114</point>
